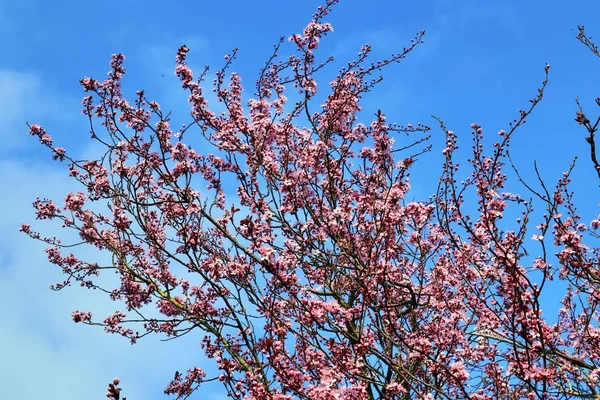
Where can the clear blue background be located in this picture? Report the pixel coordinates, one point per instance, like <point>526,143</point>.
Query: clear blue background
<point>481,62</point>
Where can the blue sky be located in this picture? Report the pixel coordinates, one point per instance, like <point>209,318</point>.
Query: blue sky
<point>481,62</point>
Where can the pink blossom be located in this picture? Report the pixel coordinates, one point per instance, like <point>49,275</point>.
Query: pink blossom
<point>323,275</point>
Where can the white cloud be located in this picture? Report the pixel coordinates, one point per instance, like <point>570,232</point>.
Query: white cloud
<point>46,355</point>
<point>22,94</point>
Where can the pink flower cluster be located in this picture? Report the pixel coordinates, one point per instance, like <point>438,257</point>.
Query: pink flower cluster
<point>318,276</point>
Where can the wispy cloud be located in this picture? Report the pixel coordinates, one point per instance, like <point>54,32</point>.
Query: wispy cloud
<point>24,96</point>
<point>46,355</point>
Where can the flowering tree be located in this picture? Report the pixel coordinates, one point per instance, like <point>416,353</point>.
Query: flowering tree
<point>320,280</point>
